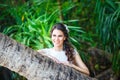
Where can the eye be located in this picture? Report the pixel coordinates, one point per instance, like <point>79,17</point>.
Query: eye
<point>53,35</point>
<point>60,36</point>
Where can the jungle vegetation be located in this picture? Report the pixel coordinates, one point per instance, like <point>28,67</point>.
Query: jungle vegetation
<point>93,25</point>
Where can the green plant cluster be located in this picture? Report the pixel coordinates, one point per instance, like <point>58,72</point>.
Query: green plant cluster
<point>108,28</point>
<point>32,21</point>
<point>33,24</point>
<point>92,23</point>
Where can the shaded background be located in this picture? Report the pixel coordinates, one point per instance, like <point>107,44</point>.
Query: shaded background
<point>94,30</point>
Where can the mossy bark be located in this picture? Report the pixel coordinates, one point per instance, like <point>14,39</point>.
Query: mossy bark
<point>30,64</point>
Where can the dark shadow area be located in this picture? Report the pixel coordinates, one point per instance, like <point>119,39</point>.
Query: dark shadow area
<point>6,74</point>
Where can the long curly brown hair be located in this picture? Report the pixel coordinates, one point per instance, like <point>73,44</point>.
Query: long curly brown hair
<point>67,47</point>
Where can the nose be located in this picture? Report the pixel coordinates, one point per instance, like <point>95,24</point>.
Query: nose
<point>56,38</point>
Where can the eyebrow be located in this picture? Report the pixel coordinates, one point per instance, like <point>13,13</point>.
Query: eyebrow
<point>58,35</point>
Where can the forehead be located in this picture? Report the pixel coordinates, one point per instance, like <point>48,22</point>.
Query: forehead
<point>57,32</point>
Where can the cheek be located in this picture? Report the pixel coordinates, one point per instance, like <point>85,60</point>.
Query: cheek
<point>62,39</point>
<point>52,38</point>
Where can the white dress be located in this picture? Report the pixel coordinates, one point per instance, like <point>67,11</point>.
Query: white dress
<point>59,55</point>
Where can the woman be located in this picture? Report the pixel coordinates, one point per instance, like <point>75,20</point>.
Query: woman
<point>62,51</point>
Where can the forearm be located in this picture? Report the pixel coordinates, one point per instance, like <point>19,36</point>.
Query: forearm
<point>85,71</point>
<point>79,65</point>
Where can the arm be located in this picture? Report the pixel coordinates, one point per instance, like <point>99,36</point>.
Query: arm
<point>79,64</point>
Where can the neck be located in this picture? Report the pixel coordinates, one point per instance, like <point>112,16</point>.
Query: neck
<point>58,48</point>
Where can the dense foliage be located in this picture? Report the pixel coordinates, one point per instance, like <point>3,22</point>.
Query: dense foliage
<point>108,28</point>
<point>91,24</point>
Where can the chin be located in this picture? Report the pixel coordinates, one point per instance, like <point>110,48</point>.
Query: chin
<point>56,45</point>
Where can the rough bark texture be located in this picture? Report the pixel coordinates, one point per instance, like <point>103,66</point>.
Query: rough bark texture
<point>32,65</point>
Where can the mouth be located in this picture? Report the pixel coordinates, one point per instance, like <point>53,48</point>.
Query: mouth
<point>56,42</point>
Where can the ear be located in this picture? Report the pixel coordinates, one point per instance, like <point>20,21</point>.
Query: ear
<point>64,38</point>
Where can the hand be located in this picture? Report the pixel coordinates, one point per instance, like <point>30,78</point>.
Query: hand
<point>66,63</point>
<point>54,59</point>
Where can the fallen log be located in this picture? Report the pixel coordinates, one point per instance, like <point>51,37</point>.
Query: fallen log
<point>30,64</point>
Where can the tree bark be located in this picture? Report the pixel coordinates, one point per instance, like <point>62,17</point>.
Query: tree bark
<point>32,65</point>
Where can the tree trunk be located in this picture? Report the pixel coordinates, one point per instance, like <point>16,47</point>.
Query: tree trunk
<point>60,9</point>
<point>32,65</point>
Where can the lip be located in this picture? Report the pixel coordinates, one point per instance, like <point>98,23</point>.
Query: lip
<point>56,43</point>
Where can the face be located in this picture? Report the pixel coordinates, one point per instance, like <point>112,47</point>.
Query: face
<point>58,38</point>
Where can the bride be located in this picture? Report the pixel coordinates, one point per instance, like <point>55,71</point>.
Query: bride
<point>62,51</point>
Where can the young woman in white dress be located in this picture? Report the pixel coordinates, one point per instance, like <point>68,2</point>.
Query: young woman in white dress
<point>62,51</point>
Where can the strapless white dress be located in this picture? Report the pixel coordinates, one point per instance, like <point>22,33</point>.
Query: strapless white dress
<point>59,55</point>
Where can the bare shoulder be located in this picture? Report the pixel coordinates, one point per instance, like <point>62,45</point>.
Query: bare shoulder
<point>40,50</point>
<point>75,51</point>
<point>43,51</point>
